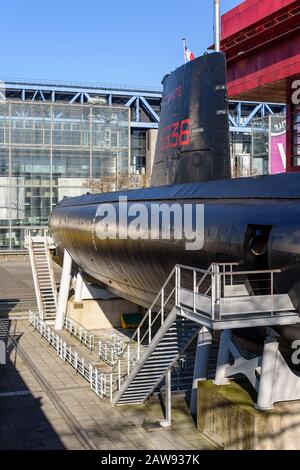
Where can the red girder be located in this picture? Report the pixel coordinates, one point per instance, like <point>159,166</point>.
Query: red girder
<point>270,29</point>
<point>261,40</point>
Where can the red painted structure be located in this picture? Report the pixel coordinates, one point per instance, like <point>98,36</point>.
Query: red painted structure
<point>261,40</point>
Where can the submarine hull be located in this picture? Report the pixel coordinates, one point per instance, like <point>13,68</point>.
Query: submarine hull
<point>136,269</point>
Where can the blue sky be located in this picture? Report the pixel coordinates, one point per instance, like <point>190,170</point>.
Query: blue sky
<point>128,42</point>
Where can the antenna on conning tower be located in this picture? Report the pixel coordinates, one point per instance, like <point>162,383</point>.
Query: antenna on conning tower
<point>217,25</point>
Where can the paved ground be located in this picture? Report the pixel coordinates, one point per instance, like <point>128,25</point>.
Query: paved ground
<point>45,405</point>
<point>16,285</point>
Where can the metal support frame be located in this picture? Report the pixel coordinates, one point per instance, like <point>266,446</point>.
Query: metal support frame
<point>2,351</point>
<point>78,287</point>
<point>269,373</point>
<point>168,401</point>
<point>74,93</point>
<point>240,117</point>
<point>63,291</point>
<point>204,343</point>
<point>223,359</point>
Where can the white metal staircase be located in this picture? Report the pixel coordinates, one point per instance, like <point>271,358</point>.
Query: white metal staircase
<point>218,298</point>
<point>171,340</point>
<point>43,276</point>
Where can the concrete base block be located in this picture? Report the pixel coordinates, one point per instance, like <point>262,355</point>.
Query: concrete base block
<point>226,415</point>
<point>100,314</point>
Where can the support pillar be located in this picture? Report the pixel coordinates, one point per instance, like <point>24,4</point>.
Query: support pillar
<point>223,359</point>
<point>268,374</point>
<point>78,287</point>
<point>168,401</point>
<point>2,352</point>
<point>63,291</point>
<point>215,291</point>
<point>201,364</point>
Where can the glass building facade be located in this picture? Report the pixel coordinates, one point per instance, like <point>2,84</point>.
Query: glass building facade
<point>268,150</point>
<point>50,150</point>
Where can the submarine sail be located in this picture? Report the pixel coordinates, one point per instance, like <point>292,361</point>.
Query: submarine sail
<point>193,137</point>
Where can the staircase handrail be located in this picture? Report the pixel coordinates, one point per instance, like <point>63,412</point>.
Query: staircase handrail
<point>35,276</point>
<point>49,262</point>
<point>152,319</point>
<point>217,272</point>
<point>148,317</point>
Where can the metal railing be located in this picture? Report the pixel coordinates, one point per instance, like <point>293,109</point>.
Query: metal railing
<point>111,351</point>
<point>84,336</point>
<point>148,327</point>
<point>211,292</point>
<point>208,292</point>
<point>218,292</point>
<point>35,276</point>
<point>79,84</point>
<point>50,268</point>
<point>100,383</point>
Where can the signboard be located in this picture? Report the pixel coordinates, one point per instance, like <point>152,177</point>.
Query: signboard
<point>277,146</point>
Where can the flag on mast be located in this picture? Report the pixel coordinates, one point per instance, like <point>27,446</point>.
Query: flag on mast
<point>188,54</point>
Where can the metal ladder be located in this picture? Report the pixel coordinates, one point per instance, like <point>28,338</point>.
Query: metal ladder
<point>43,276</point>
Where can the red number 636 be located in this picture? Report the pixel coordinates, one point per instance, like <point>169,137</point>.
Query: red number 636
<point>177,133</point>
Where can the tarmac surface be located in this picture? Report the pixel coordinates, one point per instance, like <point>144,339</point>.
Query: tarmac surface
<point>44,404</point>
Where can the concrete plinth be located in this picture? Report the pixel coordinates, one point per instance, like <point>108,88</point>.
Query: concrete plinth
<point>100,314</point>
<point>226,415</point>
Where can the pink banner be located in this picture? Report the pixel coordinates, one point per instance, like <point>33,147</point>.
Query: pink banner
<point>277,157</point>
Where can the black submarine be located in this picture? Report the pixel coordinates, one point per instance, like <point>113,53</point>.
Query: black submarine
<point>253,221</point>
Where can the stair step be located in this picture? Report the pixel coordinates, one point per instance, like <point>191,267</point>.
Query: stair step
<point>140,387</point>
<point>136,396</point>
<point>165,357</point>
<point>144,374</point>
<point>130,402</point>
<point>152,366</point>
<point>166,347</point>
<point>156,373</point>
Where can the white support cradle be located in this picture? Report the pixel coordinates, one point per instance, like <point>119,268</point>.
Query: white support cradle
<point>269,373</point>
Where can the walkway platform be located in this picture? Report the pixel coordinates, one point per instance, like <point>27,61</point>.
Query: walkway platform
<point>44,404</point>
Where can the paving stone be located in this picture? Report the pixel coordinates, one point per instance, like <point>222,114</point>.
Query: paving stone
<point>35,418</point>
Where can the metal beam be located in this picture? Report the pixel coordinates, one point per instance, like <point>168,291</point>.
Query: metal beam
<point>244,130</point>
<point>144,125</point>
<point>137,109</point>
<point>73,90</point>
<point>75,98</point>
<point>239,118</point>
<point>150,109</point>
<point>232,120</point>
<point>269,109</point>
<point>252,114</point>
<point>130,101</point>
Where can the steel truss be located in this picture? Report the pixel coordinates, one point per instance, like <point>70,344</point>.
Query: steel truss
<point>144,102</point>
